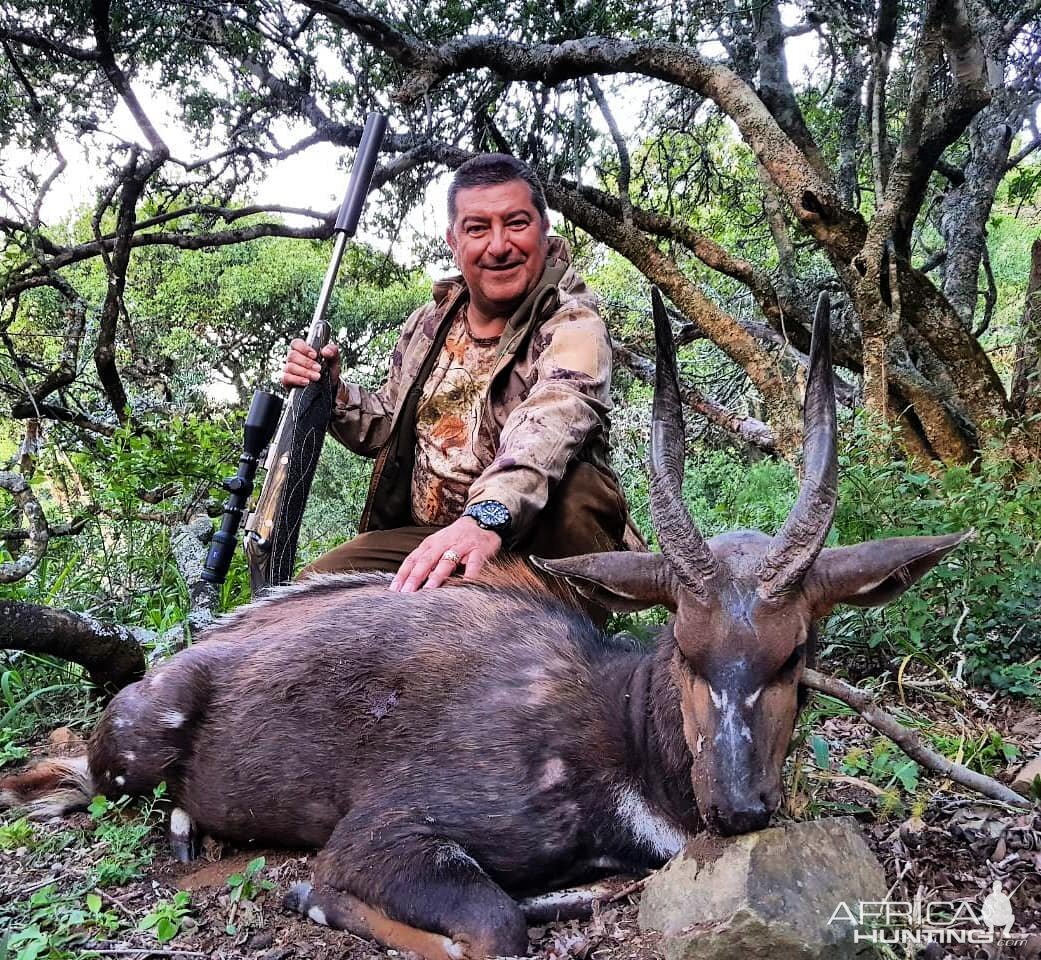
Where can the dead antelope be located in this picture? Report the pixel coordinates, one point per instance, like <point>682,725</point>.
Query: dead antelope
<point>450,749</point>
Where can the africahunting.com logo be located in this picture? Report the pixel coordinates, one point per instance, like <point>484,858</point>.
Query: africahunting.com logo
<point>922,921</point>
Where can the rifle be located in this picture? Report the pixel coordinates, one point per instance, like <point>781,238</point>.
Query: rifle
<point>273,527</point>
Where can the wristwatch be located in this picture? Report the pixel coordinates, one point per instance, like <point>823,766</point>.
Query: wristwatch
<point>490,514</point>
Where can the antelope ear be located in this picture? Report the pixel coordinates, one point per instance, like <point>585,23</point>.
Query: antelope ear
<point>873,573</point>
<point>619,581</point>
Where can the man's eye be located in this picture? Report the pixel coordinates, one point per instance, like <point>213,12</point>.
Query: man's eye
<point>474,231</point>
<point>519,224</point>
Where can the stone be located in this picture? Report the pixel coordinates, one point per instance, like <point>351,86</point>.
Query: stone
<point>766,895</point>
<point>1025,778</point>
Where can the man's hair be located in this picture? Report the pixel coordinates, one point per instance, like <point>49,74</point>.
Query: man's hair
<point>488,169</point>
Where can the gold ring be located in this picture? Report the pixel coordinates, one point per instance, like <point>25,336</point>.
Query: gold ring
<point>451,555</point>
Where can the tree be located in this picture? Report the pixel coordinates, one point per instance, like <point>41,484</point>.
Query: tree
<point>881,172</point>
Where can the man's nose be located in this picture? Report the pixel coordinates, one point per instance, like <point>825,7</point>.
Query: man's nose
<point>498,243</point>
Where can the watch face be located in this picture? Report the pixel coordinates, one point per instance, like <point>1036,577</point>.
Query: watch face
<point>490,514</point>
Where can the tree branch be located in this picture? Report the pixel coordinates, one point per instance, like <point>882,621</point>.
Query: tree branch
<point>908,741</point>
<point>111,654</point>
<point>745,428</point>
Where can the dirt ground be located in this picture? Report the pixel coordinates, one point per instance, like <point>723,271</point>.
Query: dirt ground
<point>953,852</point>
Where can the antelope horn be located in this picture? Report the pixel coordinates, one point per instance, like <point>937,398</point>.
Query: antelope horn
<point>681,541</point>
<point>797,543</point>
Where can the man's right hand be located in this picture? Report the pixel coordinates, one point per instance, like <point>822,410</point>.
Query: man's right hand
<point>302,366</point>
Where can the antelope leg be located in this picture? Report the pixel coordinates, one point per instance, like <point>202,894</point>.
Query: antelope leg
<point>410,889</point>
<point>184,838</point>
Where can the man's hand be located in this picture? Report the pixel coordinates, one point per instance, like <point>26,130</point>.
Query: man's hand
<point>427,567</point>
<point>302,366</point>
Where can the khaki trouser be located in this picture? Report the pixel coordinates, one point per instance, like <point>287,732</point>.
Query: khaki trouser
<point>586,514</point>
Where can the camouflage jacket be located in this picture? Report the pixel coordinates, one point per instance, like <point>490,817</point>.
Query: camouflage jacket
<point>547,402</point>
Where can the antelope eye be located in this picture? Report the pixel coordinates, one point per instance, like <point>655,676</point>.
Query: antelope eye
<point>793,659</point>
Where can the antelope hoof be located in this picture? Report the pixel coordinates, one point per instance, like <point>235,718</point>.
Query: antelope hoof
<point>298,898</point>
<point>184,838</point>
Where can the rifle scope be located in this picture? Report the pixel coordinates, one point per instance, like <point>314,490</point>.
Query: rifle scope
<point>261,423</point>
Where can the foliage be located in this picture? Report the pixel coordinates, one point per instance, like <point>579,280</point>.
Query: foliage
<point>244,889</point>
<point>166,917</point>
<point>55,924</point>
<point>974,614</point>
<point>124,837</point>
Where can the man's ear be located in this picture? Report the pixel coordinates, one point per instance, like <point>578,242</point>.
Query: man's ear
<point>450,239</point>
<point>873,573</point>
<point>619,581</point>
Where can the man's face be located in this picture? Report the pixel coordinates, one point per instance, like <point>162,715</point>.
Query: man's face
<point>499,242</point>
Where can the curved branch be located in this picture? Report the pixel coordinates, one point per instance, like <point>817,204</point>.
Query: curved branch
<point>38,534</point>
<point>811,197</point>
<point>110,653</point>
<point>748,429</point>
<point>908,741</point>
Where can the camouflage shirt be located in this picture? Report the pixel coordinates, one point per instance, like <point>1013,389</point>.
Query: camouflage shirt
<point>546,403</point>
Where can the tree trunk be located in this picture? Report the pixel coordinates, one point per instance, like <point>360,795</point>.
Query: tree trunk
<point>1025,395</point>
<point>967,206</point>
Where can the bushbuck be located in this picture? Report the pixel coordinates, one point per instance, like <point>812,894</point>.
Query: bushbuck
<point>451,749</point>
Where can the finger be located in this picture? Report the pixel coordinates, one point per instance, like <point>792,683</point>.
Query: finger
<point>303,368</point>
<point>301,346</point>
<point>403,572</point>
<point>442,571</point>
<point>296,378</point>
<point>331,350</point>
<point>418,575</point>
<point>475,561</point>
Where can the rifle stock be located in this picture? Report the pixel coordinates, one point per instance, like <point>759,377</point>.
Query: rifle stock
<point>273,527</point>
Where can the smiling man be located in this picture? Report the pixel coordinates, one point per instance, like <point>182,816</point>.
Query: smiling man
<point>491,432</point>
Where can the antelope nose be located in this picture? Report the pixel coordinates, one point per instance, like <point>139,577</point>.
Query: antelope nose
<point>741,817</point>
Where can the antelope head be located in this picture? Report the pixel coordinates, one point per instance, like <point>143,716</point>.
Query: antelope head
<point>745,604</point>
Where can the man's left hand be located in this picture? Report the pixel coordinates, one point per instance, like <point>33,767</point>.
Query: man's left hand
<point>427,566</point>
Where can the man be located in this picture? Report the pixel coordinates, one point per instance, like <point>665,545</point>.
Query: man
<point>490,434</point>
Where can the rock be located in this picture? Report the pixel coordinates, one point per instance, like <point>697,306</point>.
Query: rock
<point>765,895</point>
<point>260,940</point>
<point>1026,776</point>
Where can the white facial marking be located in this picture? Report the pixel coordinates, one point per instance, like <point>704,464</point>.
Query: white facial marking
<point>700,743</point>
<point>120,781</point>
<point>646,826</point>
<point>130,756</point>
<point>170,718</point>
<point>752,697</point>
<point>719,699</point>
<point>731,726</point>
<point>317,914</point>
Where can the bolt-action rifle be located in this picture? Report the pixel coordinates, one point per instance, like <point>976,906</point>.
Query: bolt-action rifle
<point>298,426</point>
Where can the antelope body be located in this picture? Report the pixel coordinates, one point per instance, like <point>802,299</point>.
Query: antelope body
<point>450,749</point>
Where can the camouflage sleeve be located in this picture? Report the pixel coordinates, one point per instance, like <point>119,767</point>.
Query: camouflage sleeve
<point>362,418</point>
<point>567,405</point>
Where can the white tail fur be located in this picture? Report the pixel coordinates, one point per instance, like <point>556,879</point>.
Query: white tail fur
<point>50,789</point>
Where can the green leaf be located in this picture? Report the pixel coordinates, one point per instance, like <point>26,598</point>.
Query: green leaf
<point>99,806</point>
<point>93,902</point>
<point>820,752</point>
<point>907,774</point>
<point>166,929</point>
